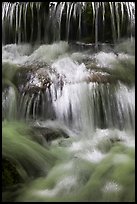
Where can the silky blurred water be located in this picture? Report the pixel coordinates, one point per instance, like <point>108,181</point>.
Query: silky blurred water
<point>96,161</point>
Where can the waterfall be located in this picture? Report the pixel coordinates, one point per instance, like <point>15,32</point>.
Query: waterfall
<point>21,21</point>
<point>68,101</point>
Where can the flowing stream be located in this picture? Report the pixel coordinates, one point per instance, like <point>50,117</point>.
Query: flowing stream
<point>68,111</point>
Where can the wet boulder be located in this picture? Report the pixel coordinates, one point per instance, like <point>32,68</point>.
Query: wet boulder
<point>10,174</point>
<point>101,77</point>
<point>32,79</point>
<point>42,134</point>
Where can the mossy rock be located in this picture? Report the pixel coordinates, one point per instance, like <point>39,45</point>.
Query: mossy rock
<point>9,70</point>
<point>40,133</point>
<point>8,74</point>
<point>125,72</point>
<point>10,174</point>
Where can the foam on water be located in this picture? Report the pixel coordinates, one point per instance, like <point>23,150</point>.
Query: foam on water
<point>16,54</point>
<point>90,162</point>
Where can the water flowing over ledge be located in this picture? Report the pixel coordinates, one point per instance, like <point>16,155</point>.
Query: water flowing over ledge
<point>68,107</point>
<point>54,21</point>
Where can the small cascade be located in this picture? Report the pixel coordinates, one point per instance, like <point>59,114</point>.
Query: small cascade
<point>54,21</point>
<point>67,91</point>
<point>81,106</point>
<point>9,103</point>
<point>68,101</point>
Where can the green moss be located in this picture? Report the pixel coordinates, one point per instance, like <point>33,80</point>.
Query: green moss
<point>19,146</point>
<point>124,71</point>
<point>8,70</point>
<point>10,174</point>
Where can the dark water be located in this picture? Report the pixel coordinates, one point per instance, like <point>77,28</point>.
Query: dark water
<point>47,22</point>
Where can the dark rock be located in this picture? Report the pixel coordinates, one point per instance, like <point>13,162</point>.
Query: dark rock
<point>48,134</point>
<point>101,77</point>
<point>32,79</point>
<point>64,143</point>
<point>10,174</point>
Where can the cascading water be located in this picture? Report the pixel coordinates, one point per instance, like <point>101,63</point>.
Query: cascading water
<point>25,22</point>
<point>68,108</point>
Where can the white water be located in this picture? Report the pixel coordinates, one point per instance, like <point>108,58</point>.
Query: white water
<point>73,98</point>
<point>76,104</point>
